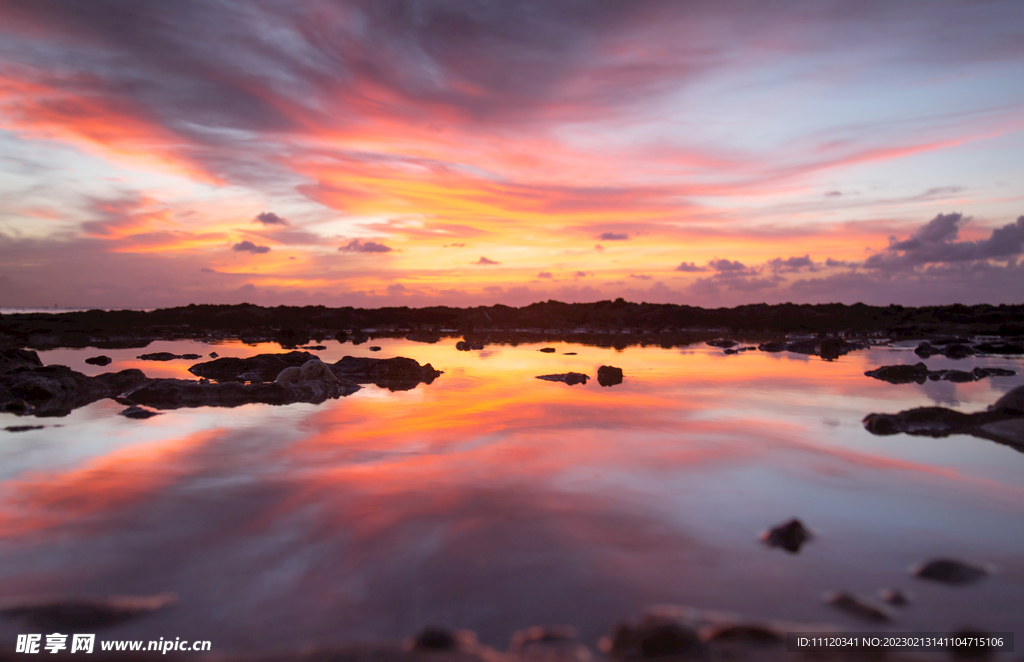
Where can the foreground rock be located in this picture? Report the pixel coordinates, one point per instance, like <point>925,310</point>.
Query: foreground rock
<point>1003,422</point>
<point>608,375</point>
<point>828,349</point>
<point>63,614</point>
<point>569,378</point>
<point>56,390</point>
<point>919,373</point>
<point>12,359</point>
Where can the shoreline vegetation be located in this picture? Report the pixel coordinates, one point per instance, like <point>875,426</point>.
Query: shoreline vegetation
<point>616,324</point>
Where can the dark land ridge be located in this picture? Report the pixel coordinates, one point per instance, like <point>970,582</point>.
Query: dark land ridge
<point>604,323</point>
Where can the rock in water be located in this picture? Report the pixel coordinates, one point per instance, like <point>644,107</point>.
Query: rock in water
<point>772,346</point>
<point>138,412</point>
<point>721,343</point>
<point>790,536</point>
<point>856,606</point>
<point>99,360</point>
<point>158,356</point>
<point>569,378</point>
<point>556,643</point>
<point>547,350</point>
<point>608,375</point>
<point>958,351</point>
<point>289,375</point>
<point>655,637</point>
<point>950,571</point>
<point>900,374</point>
<point>82,613</point>
<point>1012,403</point>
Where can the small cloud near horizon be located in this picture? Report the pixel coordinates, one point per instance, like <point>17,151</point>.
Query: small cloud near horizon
<point>545,274</point>
<point>249,247</point>
<point>614,236</point>
<point>641,276</point>
<point>484,260</point>
<point>690,267</point>
<point>357,246</point>
<point>270,218</point>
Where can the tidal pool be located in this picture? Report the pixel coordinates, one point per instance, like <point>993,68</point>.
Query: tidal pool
<point>494,501</point>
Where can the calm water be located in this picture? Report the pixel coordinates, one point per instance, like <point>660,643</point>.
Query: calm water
<point>494,501</point>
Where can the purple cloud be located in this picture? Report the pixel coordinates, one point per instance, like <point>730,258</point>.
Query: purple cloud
<point>357,246</point>
<point>270,218</point>
<point>249,247</point>
<point>484,260</point>
<point>614,236</point>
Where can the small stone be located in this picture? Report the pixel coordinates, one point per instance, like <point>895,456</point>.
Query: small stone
<point>950,571</point>
<point>790,536</point>
<point>138,412</point>
<point>99,360</point>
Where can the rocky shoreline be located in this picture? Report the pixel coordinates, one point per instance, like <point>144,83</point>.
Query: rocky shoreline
<point>27,387</point>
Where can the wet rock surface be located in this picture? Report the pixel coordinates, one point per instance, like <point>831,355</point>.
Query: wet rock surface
<point>13,359</point>
<point>570,378</point>
<point>722,343</point>
<point>99,360</point>
<point>395,374</point>
<point>259,368</point>
<point>608,375</point>
<point>180,393</point>
<point>138,413</point>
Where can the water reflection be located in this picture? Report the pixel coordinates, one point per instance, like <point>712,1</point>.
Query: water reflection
<point>495,501</point>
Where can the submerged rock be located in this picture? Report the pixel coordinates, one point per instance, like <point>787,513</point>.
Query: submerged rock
<point>55,614</point>
<point>722,343</point>
<point>608,375</point>
<point>790,536</point>
<point>569,378</point>
<point>950,571</point>
<point>429,337</point>
<point>999,348</point>
<point>857,606</point>
<point>395,374</point>
<point>23,428</point>
<point>772,346</point>
<point>259,368</point>
<point>833,348</point>
<point>926,350</point>
<point>138,412</point>
<point>809,346</point>
<point>547,350</point>
<point>99,360</point>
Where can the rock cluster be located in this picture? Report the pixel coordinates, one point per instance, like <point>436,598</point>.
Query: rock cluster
<point>919,373</point>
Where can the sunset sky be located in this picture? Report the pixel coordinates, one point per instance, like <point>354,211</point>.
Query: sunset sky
<point>466,152</point>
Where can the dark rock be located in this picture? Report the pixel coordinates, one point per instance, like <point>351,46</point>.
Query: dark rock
<point>993,372</point>
<point>773,346</point>
<point>12,359</point>
<point>922,421</point>
<point>158,356</point>
<point>477,345</point>
<point>553,643</point>
<point>568,353</point>
<point>259,368</point>
<point>895,597</point>
<point>138,412</point>
<point>950,571</point>
<point>900,374</point>
<point>748,635</point>
<point>56,390</point>
<point>790,536</point>
<point>15,406</point>
<point>958,376</point>
<point>926,350</point>
<point>569,378</point>
<point>997,348</point>
<point>547,350</point>
<point>435,639</point>
<point>608,375</point>
<point>214,355</point>
<point>958,351</point>
<point>395,374</point>
<point>429,337</point>
<point>731,351</point>
<point>84,613</point>
<point>722,343</point>
<point>462,346</point>
<point>179,393</point>
<point>359,338</point>
<point>655,637</point>
<point>856,606</point>
<point>809,346</point>
<point>23,428</point>
<point>833,348</point>
<point>315,348</point>
<point>374,348</point>
<point>99,360</point>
